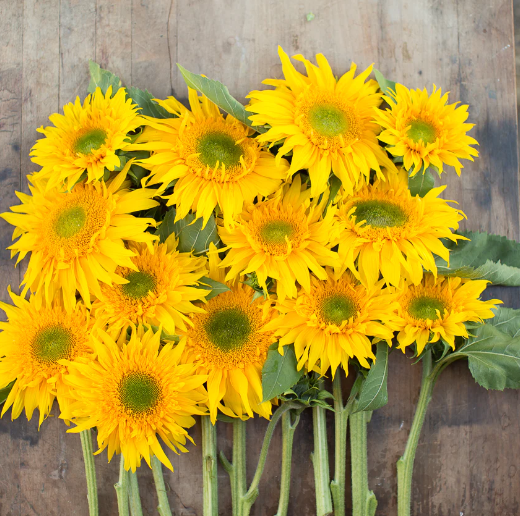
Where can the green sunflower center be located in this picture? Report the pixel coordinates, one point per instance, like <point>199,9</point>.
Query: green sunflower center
<point>421,130</point>
<point>139,392</point>
<point>52,344</point>
<point>425,307</point>
<point>338,308</point>
<point>228,329</point>
<point>70,221</point>
<point>275,232</point>
<point>139,285</point>
<point>90,141</point>
<point>327,120</point>
<point>380,214</point>
<point>219,148</point>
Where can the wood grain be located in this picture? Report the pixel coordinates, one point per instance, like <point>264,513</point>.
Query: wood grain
<point>468,457</point>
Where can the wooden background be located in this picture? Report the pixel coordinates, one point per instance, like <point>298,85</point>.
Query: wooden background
<point>468,461</point>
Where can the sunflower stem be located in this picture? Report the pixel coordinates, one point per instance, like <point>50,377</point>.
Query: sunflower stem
<point>209,467</point>
<point>364,502</point>
<point>164,506</point>
<point>133,492</point>
<point>405,463</point>
<point>238,469</point>
<point>90,472</point>
<point>290,421</point>
<point>122,490</point>
<point>320,461</point>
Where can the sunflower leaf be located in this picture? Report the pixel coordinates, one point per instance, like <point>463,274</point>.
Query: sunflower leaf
<point>279,373</point>
<point>215,287</point>
<point>218,94</point>
<point>386,85</point>
<point>145,100</point>
<point>491,257</point>
<point>335,184</point>
<point>493,357</point>
<point>103,79</point>
<point>4,393</point>
<point>421,183</point>
<point>507,320</point>
<point>374,390</point>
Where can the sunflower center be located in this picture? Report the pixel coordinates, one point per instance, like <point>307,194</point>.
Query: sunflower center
<point>421,130</point>
<point>328,120</point>
<point>228,329</point>
<point>90,141</point>
<point>52,344</point>
<point>139,392</point>
<point>338,308</point>
<point>139,285</point>
<point>219,148</point>
<point>380,214</point>
<point>70,221</point>
<point>426,307</point>
<point>275,232</point>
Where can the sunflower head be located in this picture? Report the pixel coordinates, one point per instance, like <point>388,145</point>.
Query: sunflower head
<point>392,233</point>
<point>213,159</point>
<point>134,393</point>
<point>437,308</point>
<point>425,130</point>
<point>284,237</point>
<point>85,138</point>
<point>328,124</point>
<point>34,341</point>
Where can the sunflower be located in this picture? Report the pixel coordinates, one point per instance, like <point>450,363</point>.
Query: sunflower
<point>34,340</point>
<point>282,238</point>
<point>393,233</point>
<point>425,130</point>
<point>134,393</point>
<point>85,138</point>
<point>159,292</point>
<point>327,123</point>
<point>229,345</point>
<point>212,158</point>
<point>76,238</point>
<point>333,322</point>
<point>438,308</point>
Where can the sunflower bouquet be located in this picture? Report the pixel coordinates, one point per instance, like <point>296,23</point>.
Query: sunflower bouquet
<point>183,262</point>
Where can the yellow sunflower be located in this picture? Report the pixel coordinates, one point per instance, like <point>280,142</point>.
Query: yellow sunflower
<point>159,292</point>
<point>327,123</point>
<point>212,157</point>
<point>425,130</point>
<point>34,340</point>
<point>333,322</point>
<point>76,238</point>
<point>229,345</point>
<point>134,393</point>
<point>393,233</point>
<point>282,238</point>
<point>438,308</point>
<point>85,138</point>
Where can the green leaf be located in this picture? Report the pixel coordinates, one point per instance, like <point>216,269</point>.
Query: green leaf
<point>385,84</point>
<point>493,358</point>
<point>491,257</point>
<point>219,94</point>
<point>507,320</point>
<point>144,99</point>
<point>374,391</point>
<point>279,372</point>
<point>421,183</point>
<point>102,79</point>
<point>5,392</point>
<point>215,287</point>
<point>335,184</point>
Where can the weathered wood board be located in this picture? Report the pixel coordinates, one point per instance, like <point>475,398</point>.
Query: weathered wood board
<point>468,461</point>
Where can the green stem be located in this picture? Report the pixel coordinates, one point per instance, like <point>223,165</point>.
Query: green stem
<point>133,493</point>
<point>364,502</point>
<point>122,490</point>
<point>238,477</point>
<point>164,506</point>
<point>90,472</point>
<point>405,463</point>
<point>209,467</point>
<point>288,428</point>
<point>320,462</point>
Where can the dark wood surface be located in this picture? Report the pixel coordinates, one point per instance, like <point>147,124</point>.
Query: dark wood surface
<point>468,461</point>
